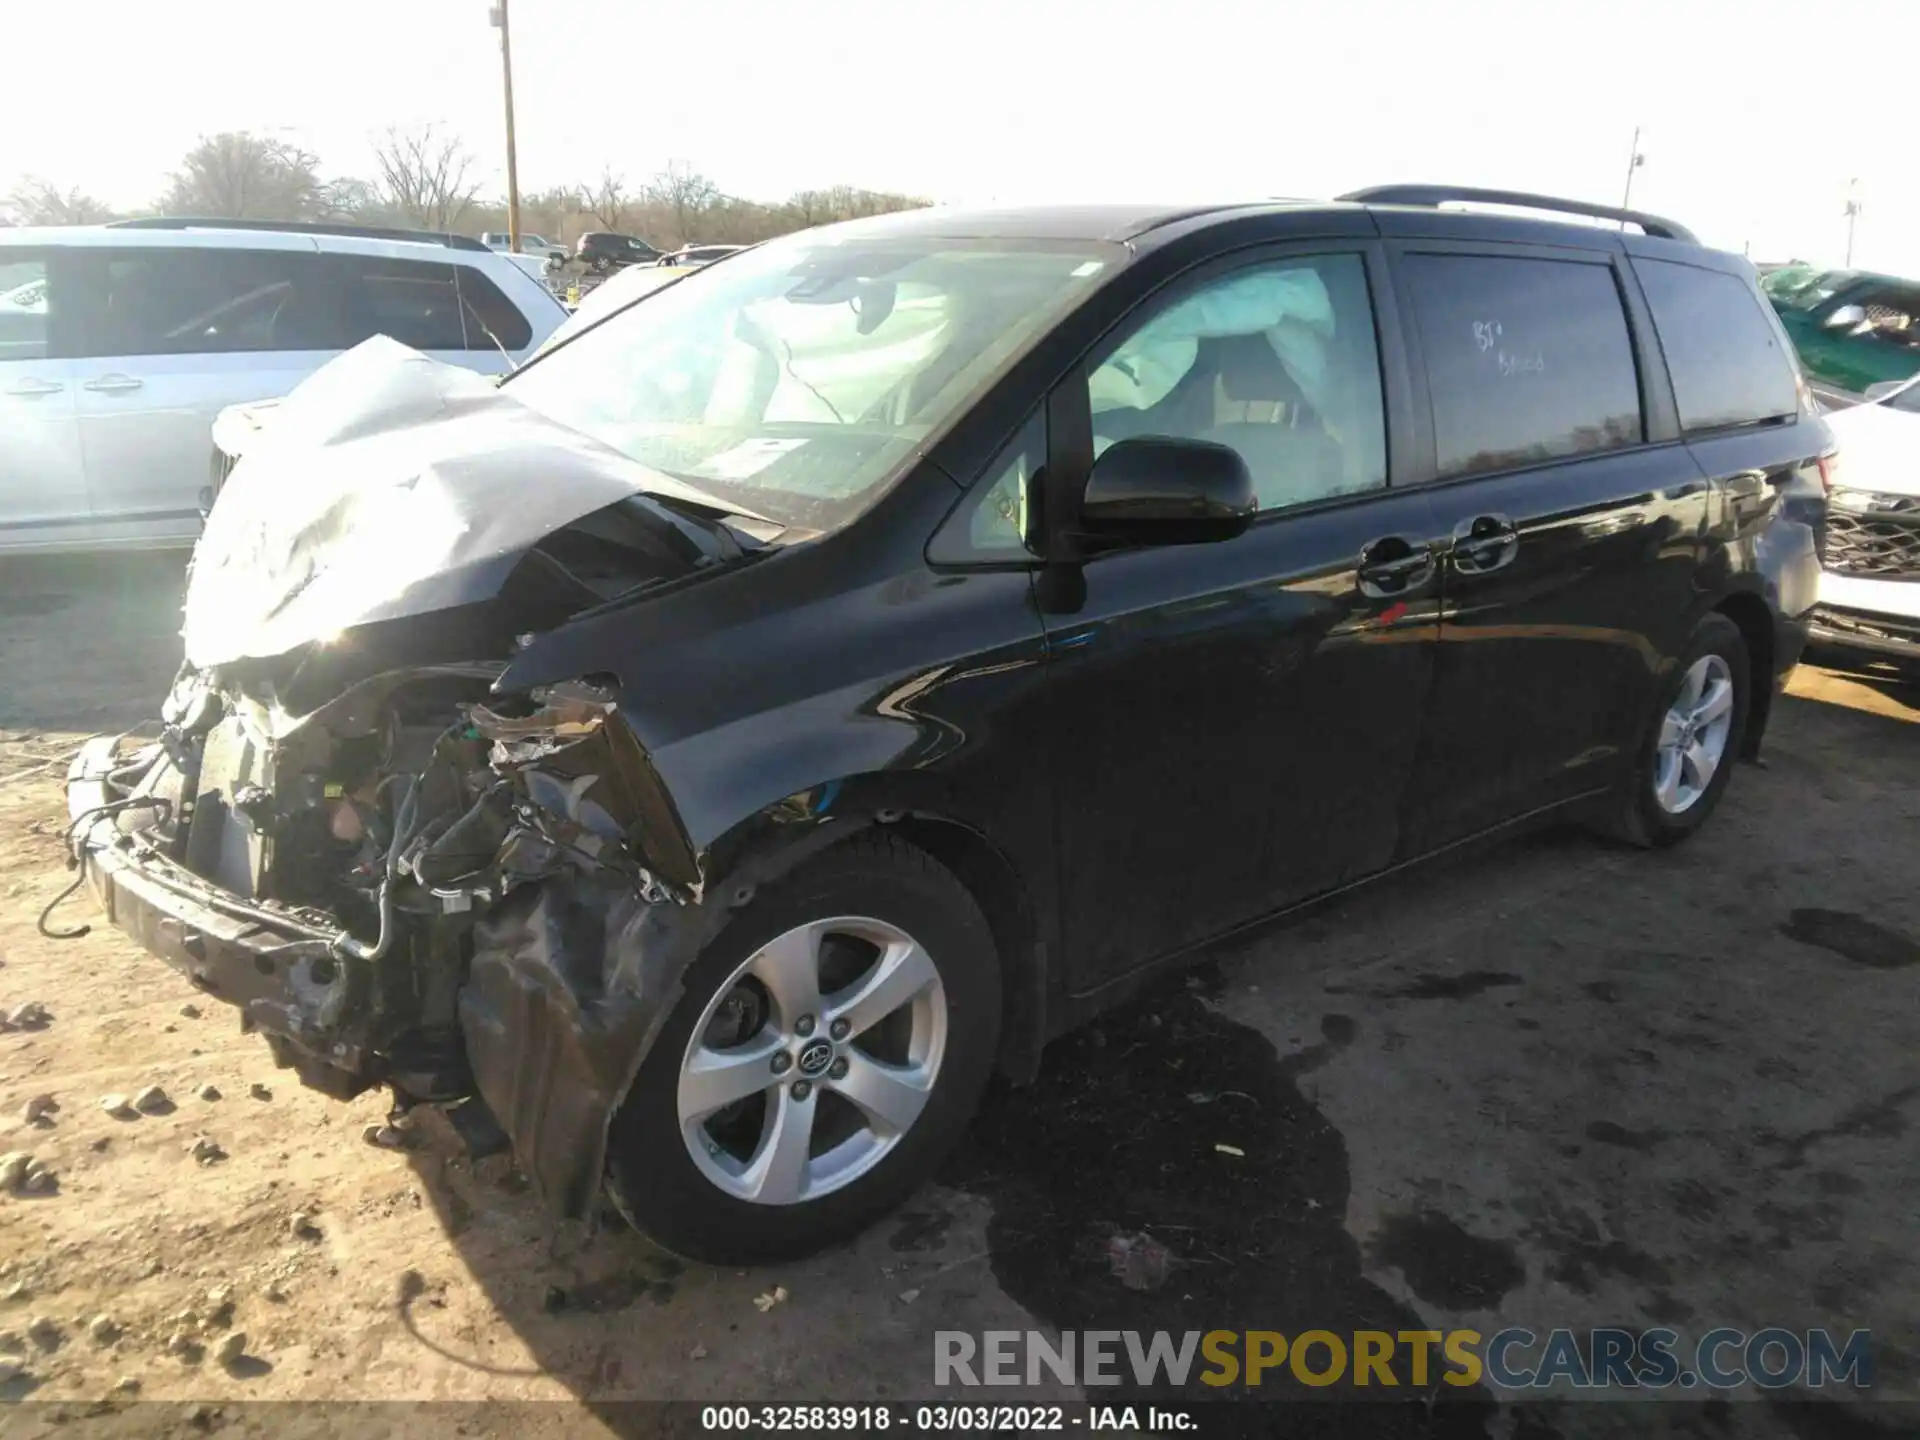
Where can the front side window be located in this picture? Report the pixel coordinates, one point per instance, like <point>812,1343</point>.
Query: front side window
<point>25,308</point>
<point>798,379</point>
<point>1527,360</point>
<point>1278,361</point>
<point>1727,363</point>
<point>1893,315</point>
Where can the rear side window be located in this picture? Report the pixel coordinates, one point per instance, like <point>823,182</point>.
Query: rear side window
<point>429,306</point>
<point>1527,360</point>
<point>207,302</point>
<point>1727,362</point>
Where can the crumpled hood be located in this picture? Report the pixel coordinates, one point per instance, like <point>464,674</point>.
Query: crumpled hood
<point>387,484</point>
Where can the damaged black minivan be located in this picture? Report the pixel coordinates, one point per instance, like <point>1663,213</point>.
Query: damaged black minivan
<point>708,755</point>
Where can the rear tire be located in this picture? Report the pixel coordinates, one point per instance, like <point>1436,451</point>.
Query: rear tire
<point>869,910</point>
<point>1687,745</point>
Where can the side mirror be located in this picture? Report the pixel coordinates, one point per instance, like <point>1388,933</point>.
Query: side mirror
<point>1156,490</point>
<point>1845,318</point>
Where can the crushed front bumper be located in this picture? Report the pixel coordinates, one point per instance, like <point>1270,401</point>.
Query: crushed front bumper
<point>277,966</point>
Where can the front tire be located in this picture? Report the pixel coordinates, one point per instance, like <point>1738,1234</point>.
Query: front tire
<point>829,1048</point>
<point>1688,744</point>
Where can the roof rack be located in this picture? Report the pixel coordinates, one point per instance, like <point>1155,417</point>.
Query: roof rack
<point>1437,195</point>
<point>301,227</point>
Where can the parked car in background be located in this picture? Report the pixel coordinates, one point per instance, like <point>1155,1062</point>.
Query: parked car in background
<point>698,254</point>
<point>716,749</point>
<point>119,344</point>
<point>1852,328</point>
<point>1870,554</point>
<point>539,268</point>
<point>529,245</point>
<point>618,290</point>
<point>604,250</point>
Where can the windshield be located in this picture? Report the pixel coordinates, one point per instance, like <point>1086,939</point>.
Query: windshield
<point>795,380</point>
<point>1809,289</point>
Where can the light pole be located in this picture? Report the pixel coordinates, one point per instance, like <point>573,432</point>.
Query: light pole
<point>498,15</point>
<point>1634,161</point>
<point>1853,214</point>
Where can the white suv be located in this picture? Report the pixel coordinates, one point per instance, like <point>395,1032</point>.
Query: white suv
<point>1870,554</point>
<point>120,343</point>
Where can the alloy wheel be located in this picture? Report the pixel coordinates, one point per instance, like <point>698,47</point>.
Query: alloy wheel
<point>1693,735</point>
<point>812,1062</point>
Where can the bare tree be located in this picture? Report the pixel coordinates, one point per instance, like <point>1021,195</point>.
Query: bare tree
<point>242,176</point>
<point>426,177</point>
<point>349,198</point>
<point>845,202</point>
<point>608,201</point>
<point>553,212</point>
<point>685,194</point>
<point>40,202</point>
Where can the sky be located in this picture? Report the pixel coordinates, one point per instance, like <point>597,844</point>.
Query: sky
<point>1754,117</point>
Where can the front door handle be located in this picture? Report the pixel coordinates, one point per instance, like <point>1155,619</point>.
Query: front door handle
<point>1483,544</point>
<point>31,388</point>
<point>115,384</point>
<point>1394,566</point>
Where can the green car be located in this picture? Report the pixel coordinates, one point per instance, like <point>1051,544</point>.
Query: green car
<point>1853,328</point>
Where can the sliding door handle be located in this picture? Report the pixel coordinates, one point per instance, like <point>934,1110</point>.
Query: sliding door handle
<point>1484,543</point>
<point>115,384</point>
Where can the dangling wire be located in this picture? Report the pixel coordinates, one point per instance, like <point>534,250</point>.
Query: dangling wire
<point>76,855</point>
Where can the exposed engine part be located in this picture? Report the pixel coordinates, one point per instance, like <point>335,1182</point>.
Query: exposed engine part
<point>386,822</point>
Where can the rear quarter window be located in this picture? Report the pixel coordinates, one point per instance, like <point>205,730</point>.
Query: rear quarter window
<point>1527,360</point>
<point>1726,358</point>
<point>430,306</point>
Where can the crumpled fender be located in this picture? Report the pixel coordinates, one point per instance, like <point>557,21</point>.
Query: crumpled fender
<point>570,982</point>
<point>749,775</point>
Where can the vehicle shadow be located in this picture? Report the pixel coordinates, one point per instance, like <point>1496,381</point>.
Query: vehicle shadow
<point>1165,1130</point>
<point>1888,687</point>
<point>600,1314</point>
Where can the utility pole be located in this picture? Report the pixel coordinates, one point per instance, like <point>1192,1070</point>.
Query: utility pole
<point>498,16</point>
<point>1853,214</point>
<point>1634,161</point>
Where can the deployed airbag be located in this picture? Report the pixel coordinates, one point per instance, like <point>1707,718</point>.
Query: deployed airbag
<point>1291,308</point>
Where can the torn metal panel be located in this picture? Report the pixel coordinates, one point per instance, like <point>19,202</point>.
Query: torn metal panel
<point>390,485</point>
<point>570,983</point>
<point>581,764</point>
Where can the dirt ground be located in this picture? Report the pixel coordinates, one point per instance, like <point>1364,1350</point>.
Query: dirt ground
<point>1556,1083</point>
